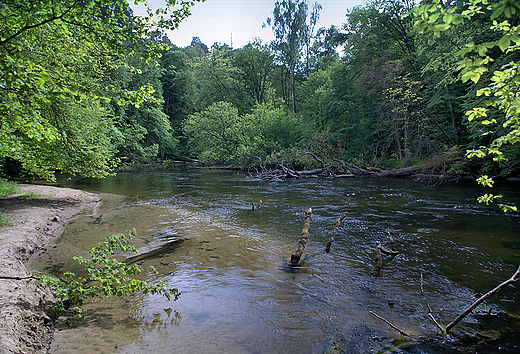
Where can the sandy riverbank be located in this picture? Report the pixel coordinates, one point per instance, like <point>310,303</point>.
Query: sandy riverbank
<point>38,213</point>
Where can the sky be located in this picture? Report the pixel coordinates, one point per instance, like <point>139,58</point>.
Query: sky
<point>220,20</point>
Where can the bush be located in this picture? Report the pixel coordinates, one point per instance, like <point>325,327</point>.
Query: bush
<point>106,277</point>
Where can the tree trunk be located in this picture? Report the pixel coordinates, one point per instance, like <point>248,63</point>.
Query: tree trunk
<point>452,114</point>
<point>295,258</point>
<point>396,132</point>
<point>292,89</point>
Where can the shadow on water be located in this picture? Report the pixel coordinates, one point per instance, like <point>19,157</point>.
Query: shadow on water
<point>241,295</point>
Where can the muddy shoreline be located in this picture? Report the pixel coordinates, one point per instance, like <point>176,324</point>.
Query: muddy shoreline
<point>38,213</point>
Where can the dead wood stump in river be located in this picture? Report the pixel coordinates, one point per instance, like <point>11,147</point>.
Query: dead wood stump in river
<point>304,239</point>
<point>379,263</point>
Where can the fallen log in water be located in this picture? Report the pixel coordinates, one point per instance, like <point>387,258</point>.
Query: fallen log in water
<point>336,227</point>
<point>295,258</point>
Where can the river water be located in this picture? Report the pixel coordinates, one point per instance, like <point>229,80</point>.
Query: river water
<point>198,229</point>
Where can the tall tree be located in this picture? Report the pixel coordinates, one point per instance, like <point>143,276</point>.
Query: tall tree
<point>255,62</point>
<point>292,34</point>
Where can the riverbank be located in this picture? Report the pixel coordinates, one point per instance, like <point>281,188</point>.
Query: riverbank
<point>37,214</point>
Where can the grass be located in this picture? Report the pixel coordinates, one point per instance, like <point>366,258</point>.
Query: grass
<point>35,195</point>
<point>7,188</point>
<point>4,222</point>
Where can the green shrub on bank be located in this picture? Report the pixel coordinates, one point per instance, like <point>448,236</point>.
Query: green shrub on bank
<point>106,277</point>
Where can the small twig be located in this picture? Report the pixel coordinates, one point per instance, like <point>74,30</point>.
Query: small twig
<point>390,324</point>
<point>422,285</point>
<point>442,329</point>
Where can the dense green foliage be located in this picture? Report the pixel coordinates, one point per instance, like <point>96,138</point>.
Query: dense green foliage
<point>94,98</point>
<point>66,67</point>
<point>106,276</point>
<point>497,116</point>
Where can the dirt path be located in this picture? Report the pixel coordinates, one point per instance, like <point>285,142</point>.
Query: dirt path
<point>38,213</point>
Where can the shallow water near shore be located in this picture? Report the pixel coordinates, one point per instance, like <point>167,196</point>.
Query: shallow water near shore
<point>198,229</point>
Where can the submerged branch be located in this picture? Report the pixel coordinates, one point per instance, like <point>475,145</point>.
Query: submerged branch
<point>378,259</point>
<point>390,324</point>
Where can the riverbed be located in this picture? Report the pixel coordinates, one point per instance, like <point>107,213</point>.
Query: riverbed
<point>199,229</point>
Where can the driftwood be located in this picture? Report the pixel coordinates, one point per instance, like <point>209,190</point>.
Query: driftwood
<point>316,158</point>
<point>336,227</point>
<point>281,169</point>
<point>459,318</point>
<point>295,258</point>
<point>379,263</point>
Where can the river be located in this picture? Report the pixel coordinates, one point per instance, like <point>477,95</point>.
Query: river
<point>231,262</point>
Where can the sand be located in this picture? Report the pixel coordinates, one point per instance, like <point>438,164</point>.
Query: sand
<point>38,213</point>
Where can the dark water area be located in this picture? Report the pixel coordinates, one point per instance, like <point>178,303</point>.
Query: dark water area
<point>197,227</point>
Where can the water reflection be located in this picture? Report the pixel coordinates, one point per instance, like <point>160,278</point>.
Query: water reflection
<point>197,228</point>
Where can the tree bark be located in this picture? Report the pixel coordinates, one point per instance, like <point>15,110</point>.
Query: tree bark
<point>304,239</point>
<point>293,98</point>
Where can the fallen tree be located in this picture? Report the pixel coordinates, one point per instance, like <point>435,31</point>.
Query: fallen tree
<point>286,165</point>
<point>459,318</point>
<point>304,239</point>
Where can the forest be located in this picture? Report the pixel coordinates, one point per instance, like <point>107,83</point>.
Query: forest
<point>87,88</point>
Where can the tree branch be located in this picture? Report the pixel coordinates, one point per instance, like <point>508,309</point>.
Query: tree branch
<point>28,27</point>
<point>511,280</point>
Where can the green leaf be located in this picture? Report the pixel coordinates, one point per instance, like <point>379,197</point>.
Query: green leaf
<point>504,42</point>
<point>457,19</point>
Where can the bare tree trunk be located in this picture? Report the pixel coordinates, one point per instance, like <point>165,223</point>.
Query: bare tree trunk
<point>292,89</point>
<point>396,132</point>
<point>452,114</point>
<point>405,133</point>
<point>295,258</point>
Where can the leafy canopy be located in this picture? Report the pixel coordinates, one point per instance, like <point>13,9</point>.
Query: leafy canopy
<point>498,113</point>
<point>55,53</point>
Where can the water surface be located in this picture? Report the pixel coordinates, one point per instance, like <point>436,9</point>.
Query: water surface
<point>230,262</point>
